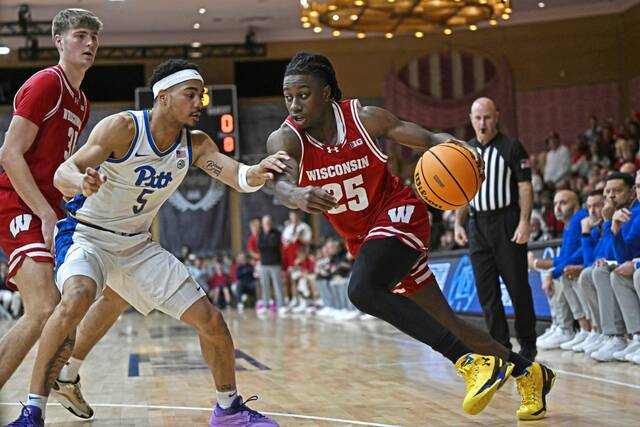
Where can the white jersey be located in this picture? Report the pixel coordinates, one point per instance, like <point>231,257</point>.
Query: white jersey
<point>137,185</point>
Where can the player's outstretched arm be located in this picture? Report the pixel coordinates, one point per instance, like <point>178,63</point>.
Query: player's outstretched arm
<point>112,136</point>
<point>309,199</point>
<point>236,175</point>
<point>381,123</point>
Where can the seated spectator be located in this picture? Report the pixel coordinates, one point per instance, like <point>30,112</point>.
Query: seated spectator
<point>538,228</point>
<point>562,300</point>
<point>628,168</point>
<point>245,283</point>
<point>219,282</point>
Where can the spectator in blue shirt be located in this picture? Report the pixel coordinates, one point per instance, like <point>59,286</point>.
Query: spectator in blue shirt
<point>619,191</point>
<point>565,306</point>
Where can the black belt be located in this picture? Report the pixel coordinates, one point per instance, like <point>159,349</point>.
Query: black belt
<point>474,212</point>
<point>97,227</point>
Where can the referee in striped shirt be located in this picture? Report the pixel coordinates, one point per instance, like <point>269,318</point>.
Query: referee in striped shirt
<point>498,229</point>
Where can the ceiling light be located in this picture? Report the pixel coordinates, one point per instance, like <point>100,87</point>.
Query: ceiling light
<point>473,27</point>
<point>448,31</point>
<point>508,10</point>
<point>304,18</point>
<point>336,33</point>
<point>354,17</point>
<point>306,24</point>
<point>419,34</point>
<point>332,7</point>
<point>4,50</point>
<point>317,29</point>
<point>505,16</point>
<point>202,11</point>
<point>541,4</point>
<point>336,17</point>
<point>196,45</point>
<point>358,3</point>
<point>196,26</point>
<point>361,35</point>
<point>493,22</point>
<point>389,35</point>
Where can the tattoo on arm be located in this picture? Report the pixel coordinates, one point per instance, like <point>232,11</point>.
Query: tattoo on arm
<point>57,362</point>
<point>213,167</point>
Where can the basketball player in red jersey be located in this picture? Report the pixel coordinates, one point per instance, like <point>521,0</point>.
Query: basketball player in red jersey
<point>50,111</point>
<point>338,169</point>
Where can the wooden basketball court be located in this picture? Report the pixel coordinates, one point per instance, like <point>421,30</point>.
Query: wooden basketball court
<point>312,372</point>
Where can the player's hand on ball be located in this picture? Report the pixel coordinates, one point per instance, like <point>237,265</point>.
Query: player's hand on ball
<point>273,163</point>
<point>92,180</point>
<point>314,199</point>
<point>475,153</point>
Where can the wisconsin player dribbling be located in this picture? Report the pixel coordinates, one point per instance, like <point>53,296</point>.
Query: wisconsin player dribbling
<point>336,168</point>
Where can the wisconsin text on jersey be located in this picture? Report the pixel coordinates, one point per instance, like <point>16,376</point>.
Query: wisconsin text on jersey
<point>339,169</point>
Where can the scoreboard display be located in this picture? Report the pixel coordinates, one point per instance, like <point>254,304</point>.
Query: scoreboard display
<point>219,117</point>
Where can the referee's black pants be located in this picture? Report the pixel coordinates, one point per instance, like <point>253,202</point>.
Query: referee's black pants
<point>493,254</point>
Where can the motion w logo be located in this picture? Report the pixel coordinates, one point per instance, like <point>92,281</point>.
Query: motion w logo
<point>401,213</point>
<point>20,223</point>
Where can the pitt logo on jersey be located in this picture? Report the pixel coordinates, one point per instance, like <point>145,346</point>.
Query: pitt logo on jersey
<point>148,177</point>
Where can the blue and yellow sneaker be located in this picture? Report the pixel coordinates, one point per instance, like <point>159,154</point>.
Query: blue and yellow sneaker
<point>30,417</point>
<point>533,386</point>
<point>483,375</point>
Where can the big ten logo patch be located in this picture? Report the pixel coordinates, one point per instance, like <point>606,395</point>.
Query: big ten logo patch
<point>148,177</point>
<point>19,224</point>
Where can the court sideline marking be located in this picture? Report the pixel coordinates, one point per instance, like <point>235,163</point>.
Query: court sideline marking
<point>192,408</point>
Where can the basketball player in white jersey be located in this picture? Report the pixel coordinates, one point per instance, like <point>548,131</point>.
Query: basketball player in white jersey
<point>131,164</point>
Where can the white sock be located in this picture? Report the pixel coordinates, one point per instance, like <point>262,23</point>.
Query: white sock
<point>69,371</point>
<point>37,401</point>
<point>226,398</point>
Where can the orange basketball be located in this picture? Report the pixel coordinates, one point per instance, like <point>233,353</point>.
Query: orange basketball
<point>447,176</point>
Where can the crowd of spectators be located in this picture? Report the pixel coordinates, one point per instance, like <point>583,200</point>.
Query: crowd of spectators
<point>581,165</point>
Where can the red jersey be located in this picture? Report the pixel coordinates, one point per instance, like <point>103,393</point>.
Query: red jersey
<point>61,112</point>
<point>355,172</point>
<point>372,202</point>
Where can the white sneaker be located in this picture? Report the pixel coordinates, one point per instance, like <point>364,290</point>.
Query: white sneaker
<point>579,348</point>
<point>300,308</point>
<point>596,344</point>
<point>632,346</point>
<point>613,344</point>
<point>282,312</point>
<point>629,356</point>
<point>635,357</point>
<point>554,340</point>
<point>577,339</point>
<point>550,330</point>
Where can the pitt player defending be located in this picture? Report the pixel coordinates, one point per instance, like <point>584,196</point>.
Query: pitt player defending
<point>336,168</point>
<point>50,111</point>
<point>142,158</point>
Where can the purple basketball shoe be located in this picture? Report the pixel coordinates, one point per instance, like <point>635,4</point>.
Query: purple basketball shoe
<point>239,415</point>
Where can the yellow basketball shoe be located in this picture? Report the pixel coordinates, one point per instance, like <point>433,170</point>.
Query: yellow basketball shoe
<point>484,375</point>
<point>533,386</point>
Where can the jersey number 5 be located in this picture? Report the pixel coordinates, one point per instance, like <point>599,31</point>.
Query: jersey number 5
<point>356,195</point>
<point>141,200</point>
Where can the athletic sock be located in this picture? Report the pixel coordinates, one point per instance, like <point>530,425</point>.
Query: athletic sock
<point>519,362</point>
<point>226,398</point>
<point>38,402</point>
<point>454,349</point>
<point>69,371</point>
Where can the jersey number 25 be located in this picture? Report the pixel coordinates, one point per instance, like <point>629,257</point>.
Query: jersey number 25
<point>355,194</point>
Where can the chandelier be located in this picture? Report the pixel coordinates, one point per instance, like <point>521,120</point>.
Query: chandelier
<point>390,17</point>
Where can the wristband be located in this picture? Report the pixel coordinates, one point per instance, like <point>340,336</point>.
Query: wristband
<point>242,179</point>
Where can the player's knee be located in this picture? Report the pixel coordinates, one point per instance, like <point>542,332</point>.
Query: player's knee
<point>359,295</point>
<point>212,324</point>
<point>76,301</point>
<point>43,311</point>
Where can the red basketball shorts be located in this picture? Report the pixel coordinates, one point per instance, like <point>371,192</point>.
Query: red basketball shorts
<point>20,234</point>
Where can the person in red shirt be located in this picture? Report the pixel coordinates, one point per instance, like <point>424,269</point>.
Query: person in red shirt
<point>337,169</point>
<point>50,111</point>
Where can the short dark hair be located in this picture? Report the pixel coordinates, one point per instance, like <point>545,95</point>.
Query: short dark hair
<point>595,193</point>
<point>318,66</point>
<point>628,179</point>
<point>169,67</point>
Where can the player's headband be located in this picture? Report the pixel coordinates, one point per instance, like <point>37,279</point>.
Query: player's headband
<point>174,79</point>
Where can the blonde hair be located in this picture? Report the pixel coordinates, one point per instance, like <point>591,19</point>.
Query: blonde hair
<point>68,19</point>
